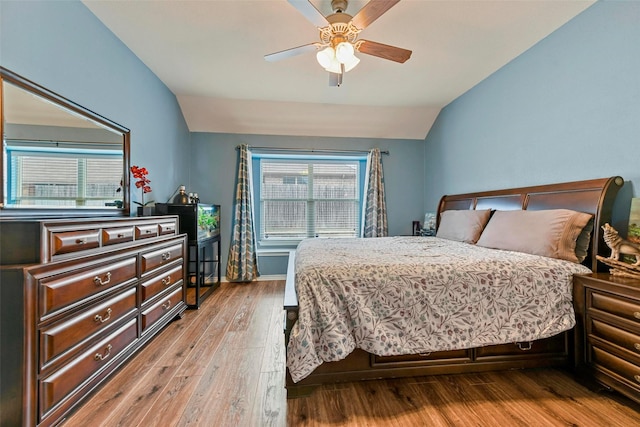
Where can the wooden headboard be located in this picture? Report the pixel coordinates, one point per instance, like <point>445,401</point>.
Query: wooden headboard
<point>595,196</point>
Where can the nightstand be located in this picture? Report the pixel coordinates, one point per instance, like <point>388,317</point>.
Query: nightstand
<point>608,321</point>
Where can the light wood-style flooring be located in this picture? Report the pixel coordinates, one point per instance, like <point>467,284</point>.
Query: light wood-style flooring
<point>223,365</point>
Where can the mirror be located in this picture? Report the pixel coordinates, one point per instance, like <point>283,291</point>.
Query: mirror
<point>58,156</point>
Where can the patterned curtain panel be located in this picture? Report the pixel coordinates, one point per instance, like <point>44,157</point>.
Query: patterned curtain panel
<point>375,216</point>
<point>242,264</point>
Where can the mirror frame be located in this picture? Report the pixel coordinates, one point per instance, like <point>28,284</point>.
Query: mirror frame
<point>29,86</point>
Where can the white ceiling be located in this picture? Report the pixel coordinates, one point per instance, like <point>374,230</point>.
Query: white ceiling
<point>210,55</point>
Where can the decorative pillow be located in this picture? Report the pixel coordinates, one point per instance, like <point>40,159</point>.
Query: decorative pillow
<point>583,241</point>
<point>552,233</point>
<point>462,225</point>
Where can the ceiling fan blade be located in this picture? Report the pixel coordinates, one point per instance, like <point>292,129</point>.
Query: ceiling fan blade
<point>288,53</point>
<point>385,51</point>
<point>372,11</point>
<point>335,79</point>
<point>310,12</point>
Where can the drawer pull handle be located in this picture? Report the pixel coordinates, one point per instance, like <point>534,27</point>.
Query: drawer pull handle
<point>636,314</point>
<point>101,319</point>
<point>107,353</point>
<point>99,282</point>
<point>636,377</point>
<point>424,354</point>
<point>166,256</point>
<point>166,281</point>
<point>120,235</point>
<point>637,346</point>
<point>167,305</point>
<point>81,241</point>
<point>524,346</point>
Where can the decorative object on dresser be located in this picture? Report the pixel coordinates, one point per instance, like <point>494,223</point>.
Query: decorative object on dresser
<point>181,198</point>
<point>201,223</point>
<point>594,198</point>
<point>608,306</point>
<point>142,182</point>
<point>78,298</point>
<point>620,246</point>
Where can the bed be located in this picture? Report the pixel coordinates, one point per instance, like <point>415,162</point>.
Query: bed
<point>392,307</point>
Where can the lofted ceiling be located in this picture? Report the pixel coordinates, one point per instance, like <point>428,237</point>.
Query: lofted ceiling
<point>210,54</point>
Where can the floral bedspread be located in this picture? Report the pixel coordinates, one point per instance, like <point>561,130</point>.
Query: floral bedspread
<point>403,295</point>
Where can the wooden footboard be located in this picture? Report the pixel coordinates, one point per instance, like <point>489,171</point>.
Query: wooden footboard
<point>592,196</point>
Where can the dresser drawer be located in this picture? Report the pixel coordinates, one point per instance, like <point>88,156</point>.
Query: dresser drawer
<point>58,338</point>
<point>154,313</point>
<point>61,291</point>
<point>167,228</point>
<point>614,335</point>
<point>157,284</point>
<point>74,241</point>
<point>620,368</point>
<point>145,231</point>
<point>161,256</point>
<point>614,304</point>
<point>112,236</point>
<point>64,381</point>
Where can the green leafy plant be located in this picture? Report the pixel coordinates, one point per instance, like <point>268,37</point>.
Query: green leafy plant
<point>206,221</point>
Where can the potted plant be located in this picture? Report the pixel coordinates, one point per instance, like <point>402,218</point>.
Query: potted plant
<point>142,182</point>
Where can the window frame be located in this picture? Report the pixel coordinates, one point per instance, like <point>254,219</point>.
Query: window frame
<point>256,158</point>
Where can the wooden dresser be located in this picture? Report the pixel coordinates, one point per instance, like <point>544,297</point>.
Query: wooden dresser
<point>77,298</point>
<point>608,309</point>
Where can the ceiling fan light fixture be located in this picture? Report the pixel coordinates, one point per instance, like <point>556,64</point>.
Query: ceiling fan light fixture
<point>335,67</point>
<point>344,52</point>
<point>351,64</point>
<point>326,57</point>
<point>339,37</point>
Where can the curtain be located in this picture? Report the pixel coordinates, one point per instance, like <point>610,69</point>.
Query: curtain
<point>242,263</point>
<point>375,209</point>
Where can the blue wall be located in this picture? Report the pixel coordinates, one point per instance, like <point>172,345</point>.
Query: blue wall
<point>62,46</point>
<point>567,109</point>
<point>213,172</point>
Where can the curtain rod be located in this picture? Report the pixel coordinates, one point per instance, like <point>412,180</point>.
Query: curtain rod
<point>312,150</point>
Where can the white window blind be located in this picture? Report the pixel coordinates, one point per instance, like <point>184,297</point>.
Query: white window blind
<point>75,178</point>
<point>309,198</point>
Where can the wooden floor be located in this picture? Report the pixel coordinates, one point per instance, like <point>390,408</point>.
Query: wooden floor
<point>223,365</point>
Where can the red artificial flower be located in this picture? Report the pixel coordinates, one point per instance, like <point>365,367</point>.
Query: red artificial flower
<point>140,175</point>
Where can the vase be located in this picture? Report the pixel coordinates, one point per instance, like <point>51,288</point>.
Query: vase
<point>146,210</point>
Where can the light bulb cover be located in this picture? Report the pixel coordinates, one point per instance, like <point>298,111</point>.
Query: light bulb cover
<point>326,57</point>
<point>334,67</point>
<point>350,65</point>
<point>344,52</point>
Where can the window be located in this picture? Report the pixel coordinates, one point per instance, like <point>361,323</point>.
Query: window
<point>79,176</point>
<point>302,196</point>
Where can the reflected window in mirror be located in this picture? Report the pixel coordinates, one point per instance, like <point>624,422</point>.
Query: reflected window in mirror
<point>80,175</point>
<point>58,155</point>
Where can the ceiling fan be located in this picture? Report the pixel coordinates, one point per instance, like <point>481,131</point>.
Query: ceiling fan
<point>339,37</point>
